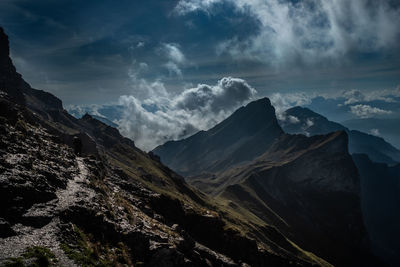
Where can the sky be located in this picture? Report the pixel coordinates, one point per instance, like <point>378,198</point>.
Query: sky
<point>187,64</point>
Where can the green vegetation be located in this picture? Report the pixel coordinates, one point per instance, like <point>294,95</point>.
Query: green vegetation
<point>21,126</point>
<point>88,253</point>
<point>15,262</point>
<point>33,257</point>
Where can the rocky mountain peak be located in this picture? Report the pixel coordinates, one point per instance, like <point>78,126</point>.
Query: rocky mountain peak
<point>12,83</point>
<point>4,44</point>
<point>228,143</point>
<point>10,80</point>
<point>257,113</point>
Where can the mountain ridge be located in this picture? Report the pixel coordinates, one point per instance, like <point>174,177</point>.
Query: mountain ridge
<point>114,204</point>
<point>295,184</point>
<point>306,121</point>
<point>226,143</point>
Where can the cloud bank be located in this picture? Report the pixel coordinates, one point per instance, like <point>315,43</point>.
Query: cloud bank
<point>155,120</point>
<point>309,31</point>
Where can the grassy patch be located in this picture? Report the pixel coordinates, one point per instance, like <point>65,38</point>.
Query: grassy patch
<point>85,252</point>
<point>35,256</point>
<point>15,262</point>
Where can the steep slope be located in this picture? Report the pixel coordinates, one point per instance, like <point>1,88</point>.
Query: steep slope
<point>309,189</point>
<point>380,191</point>
<point>305,121</point>
<point>306,187</point>
<point>243,136</point>
<point>387,128</point>
<point>116,205</point>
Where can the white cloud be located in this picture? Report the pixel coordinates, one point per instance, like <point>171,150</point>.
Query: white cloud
<point>142,87</point>
<point>175,58</point>
<point>139,44</point>
<point>282,102</point>
<point>375,132</point>
<point>173,68</point>
<point>366,111</point>
<point>309,122</point>
<point>292,119</point>
<point>356,96</point>
<point>309,31</point>
<point>184,7</point>
<point>173,117</point>
<point>173,52</point>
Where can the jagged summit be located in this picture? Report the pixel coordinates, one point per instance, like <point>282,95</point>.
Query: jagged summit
<point>305,121</point>
<point>299,120</point>
<point>4,44</point>
<point>12,83</point>
<point>241,137</point>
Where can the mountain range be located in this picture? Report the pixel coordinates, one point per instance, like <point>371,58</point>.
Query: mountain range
<point>298,178</point>
<point>111,203</point>
<point>246,192</point>
<point>301,120</point>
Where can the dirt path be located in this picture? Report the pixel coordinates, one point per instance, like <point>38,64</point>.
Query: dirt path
<point>48,235</point>
<point>75,190</point>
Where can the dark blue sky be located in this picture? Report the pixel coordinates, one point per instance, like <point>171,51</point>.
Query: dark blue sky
<point>92,52</point>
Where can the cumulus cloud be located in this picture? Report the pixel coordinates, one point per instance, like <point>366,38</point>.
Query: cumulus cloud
<point>155,120</point>
<point>367,111</point>
<point>142,87</point>
<point>310,31</point>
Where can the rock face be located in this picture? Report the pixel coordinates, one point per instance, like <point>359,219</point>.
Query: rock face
<point>9,78</point>
<point>300,120</point>
<point>379,182</point>
<point>228,143</point>
<point>116,205</point>
<point>299,186</point>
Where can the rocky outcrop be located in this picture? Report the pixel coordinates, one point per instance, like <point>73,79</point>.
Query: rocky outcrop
<point>11,82</point>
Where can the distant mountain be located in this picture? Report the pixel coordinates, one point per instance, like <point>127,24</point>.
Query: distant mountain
<point>305,121</point>
<point>108,111</point>
<point>296,183</point>
<point>243,136</point>
<point>386,128</point>
<point>105,121</point>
